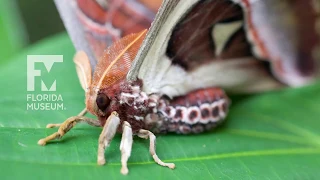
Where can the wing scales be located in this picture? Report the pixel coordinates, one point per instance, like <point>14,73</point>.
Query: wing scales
<point>116,60</point>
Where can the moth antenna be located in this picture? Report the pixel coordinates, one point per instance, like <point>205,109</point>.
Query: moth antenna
<point>83,69</point>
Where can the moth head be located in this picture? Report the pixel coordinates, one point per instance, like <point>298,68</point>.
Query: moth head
<point>111,69</point>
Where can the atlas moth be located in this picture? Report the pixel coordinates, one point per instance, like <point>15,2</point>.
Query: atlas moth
<point>173,78</point>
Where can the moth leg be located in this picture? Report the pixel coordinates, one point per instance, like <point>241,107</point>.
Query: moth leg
<point>147,134</point>
<point>82,113</point>
<point>66,126</point>
<point>125,146</point>
<point>107,134</point>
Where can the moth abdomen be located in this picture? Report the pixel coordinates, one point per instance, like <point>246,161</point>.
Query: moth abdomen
<point>198,111</point>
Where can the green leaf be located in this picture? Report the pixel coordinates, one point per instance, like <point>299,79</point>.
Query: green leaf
<point>273,135</point>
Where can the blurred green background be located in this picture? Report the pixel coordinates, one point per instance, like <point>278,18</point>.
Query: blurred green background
<point>24,22</point>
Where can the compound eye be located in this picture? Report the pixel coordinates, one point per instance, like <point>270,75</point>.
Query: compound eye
<point>102,101</point>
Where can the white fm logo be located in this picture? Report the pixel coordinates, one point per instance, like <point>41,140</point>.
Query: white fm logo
<point>48,61</point>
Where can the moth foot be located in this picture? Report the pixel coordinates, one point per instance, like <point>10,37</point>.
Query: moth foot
<point>158,161</point>
<point>147,134</point>
<point>171,165</point>
<point>66,126</point>
<point>53,125</point>
<point>124,170</point>
<point>101,161</point>
<point>42,142</point>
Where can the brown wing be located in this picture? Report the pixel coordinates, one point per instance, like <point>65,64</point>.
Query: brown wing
<point>199,44</point>
<point>93,25</point>
<point>193,44</point>
<point>116,61</point>
<point>211,30</point>
<point>286,34</point>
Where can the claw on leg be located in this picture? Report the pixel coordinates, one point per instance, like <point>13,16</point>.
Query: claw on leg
<point>147,134</point>
<point>66,126</point>
<point>53,125</point>
<point>107,134</point>
<point>125,146</point>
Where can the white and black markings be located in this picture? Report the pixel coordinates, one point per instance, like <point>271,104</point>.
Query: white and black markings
<point>203,114</point>
<point>205,110</point>
<point>194,118</point>
<point>195,112</point>
<point>193,115</point>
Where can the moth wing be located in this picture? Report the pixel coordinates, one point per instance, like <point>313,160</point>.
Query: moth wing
<point>116,60</point>
<point>184,51</point>
<point>93,25</point>
<point>83,69</point>
<point>71,16</point>
<point>285,33</point>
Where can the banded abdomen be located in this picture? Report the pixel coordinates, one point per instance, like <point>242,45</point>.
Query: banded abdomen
<point>198,111</point>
